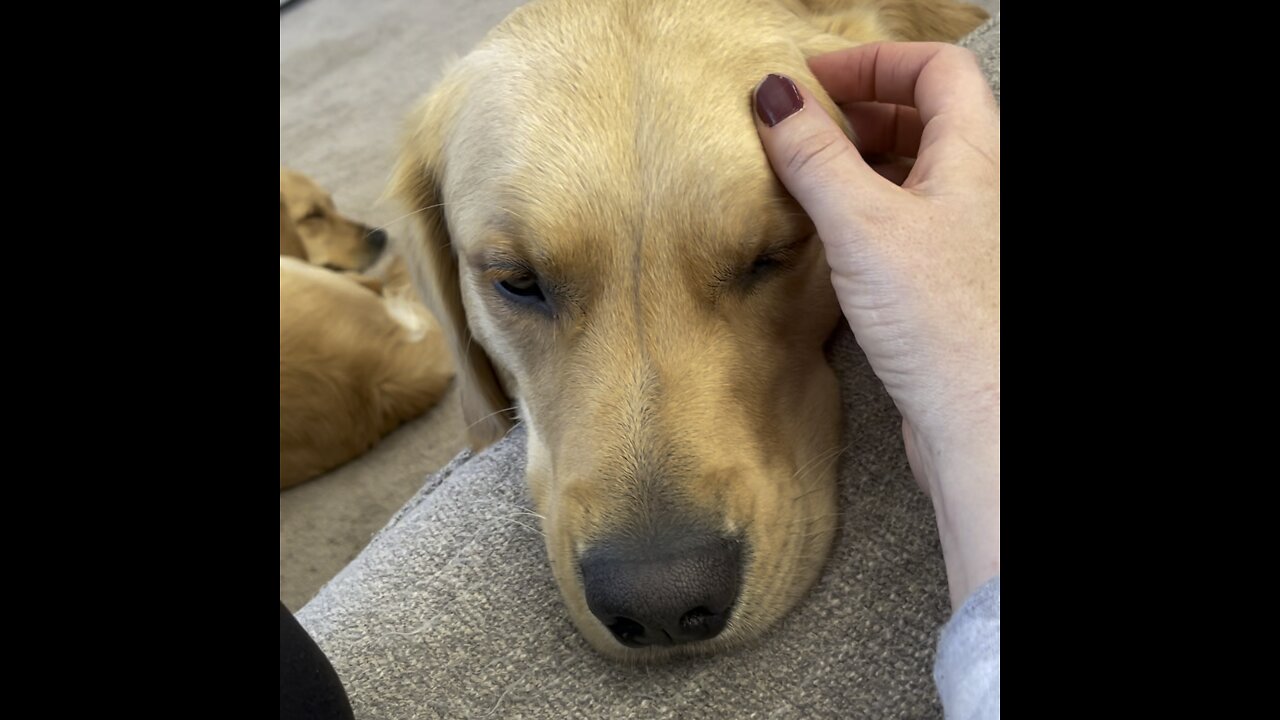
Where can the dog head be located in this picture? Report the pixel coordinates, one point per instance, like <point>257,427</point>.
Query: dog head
<point>621,268</point>
<point>311,228</point>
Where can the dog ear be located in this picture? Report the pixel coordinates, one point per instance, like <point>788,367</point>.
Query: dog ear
<point>433,263</point>
<point>862,21</point>
<point>290,242</point>
<point>934,21</point>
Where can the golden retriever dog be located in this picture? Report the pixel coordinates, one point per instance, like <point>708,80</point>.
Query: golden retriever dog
<point>621,270</point>
<point>322,235</point>
<point>353,366</point>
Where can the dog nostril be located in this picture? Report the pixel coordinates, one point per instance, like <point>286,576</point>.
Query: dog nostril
<point>697,620</point>
<point>628,631</point>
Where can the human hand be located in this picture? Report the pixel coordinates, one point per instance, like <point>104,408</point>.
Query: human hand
<point>914,250</point>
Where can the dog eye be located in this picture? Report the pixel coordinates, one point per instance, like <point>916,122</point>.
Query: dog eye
<point>313,215</point>
<point>748,278</point>
<point>523,289</point>
<point>777,259</point>
<point>764,264</point>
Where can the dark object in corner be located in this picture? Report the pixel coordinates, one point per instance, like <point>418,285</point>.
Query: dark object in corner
<point>309,686</point>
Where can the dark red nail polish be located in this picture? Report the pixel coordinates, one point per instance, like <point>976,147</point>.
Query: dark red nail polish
<point>777,99</point>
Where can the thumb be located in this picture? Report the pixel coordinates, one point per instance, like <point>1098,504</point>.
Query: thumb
<point>809,152</point>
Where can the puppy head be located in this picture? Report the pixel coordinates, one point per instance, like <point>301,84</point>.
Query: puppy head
<point>602,230</point>
<point>290,242</point>
<point>322,235</point>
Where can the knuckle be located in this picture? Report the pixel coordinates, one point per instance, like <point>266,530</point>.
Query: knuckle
<point>962,56</point>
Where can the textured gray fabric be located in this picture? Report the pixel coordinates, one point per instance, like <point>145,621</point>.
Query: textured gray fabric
<point>451,611</point>
<point>325,523</point>
<point>985,43</point>
<point>967,671</point>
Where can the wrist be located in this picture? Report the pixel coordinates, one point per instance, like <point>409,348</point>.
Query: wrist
<point>962,478</point>
<point>967,508</point>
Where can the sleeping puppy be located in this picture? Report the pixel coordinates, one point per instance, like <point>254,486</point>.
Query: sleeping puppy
<point>618,264</point>
<point>322,235</point>
<point>353,366</point>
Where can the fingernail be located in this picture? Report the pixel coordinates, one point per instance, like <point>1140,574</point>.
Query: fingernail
<point>777,99</point>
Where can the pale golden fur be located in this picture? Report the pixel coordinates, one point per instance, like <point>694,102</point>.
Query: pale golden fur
<point>610,148</point>
<point>357,359</point>
<point>321,235</point>
<point>353,367</point>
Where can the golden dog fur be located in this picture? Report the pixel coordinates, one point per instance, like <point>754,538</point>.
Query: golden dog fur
<point>321,235</point>
<point>605,155</point>
<point>354,364</point>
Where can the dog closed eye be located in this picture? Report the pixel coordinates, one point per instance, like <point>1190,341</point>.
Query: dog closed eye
<point>765,266</point>
<point>522,289</point>
<point>517,284</point>
<point>762,266</point>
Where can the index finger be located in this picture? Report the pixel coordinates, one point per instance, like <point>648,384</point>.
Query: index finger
<point>932,77</point>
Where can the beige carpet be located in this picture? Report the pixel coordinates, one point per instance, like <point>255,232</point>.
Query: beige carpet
<point>349,72</point>
<point>325,523</point>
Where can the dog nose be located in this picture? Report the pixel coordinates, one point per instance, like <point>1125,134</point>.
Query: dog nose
<point>378,240</point>
<point>669,591</point>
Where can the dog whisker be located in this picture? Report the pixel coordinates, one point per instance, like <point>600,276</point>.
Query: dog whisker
<point>525,511</point>
<point>807,493</point>
<point>387,227</point>
<point>818,470</point>
<point>815,518</point>
<point>820,464</point>
<point>503,503</point>
<point>805,533</point>
<point>815,476</point>
<point>819,458</point>
<point>508,432</point>
<point>530,528</point>
<point>495,412</point>
<point>809,535</point>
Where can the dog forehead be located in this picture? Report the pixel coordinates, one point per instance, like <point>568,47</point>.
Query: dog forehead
<point>608,154</point>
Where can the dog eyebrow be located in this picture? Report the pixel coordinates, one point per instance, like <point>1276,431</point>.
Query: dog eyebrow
<point>502,262</point>
<point>785,247</point>
<point>506,246</point>
<point>501,253</point>
<point>791,231</point>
